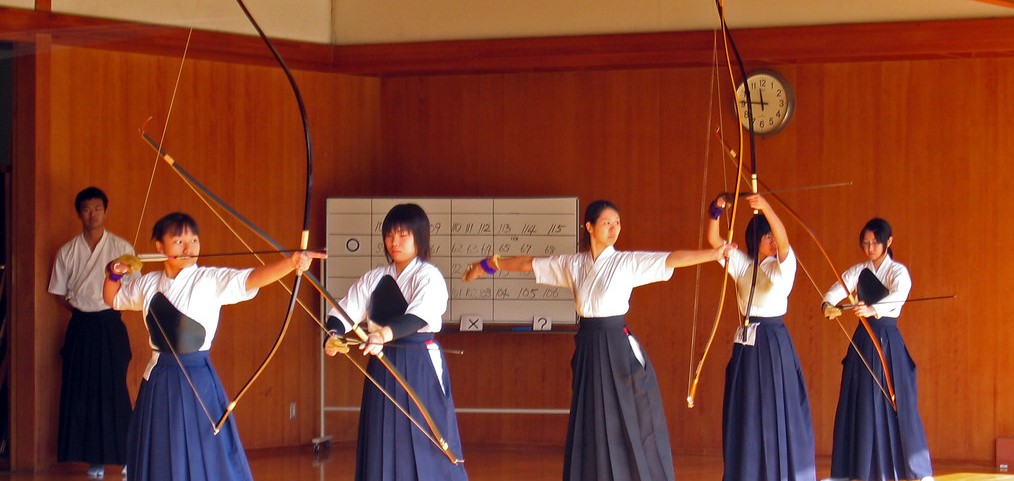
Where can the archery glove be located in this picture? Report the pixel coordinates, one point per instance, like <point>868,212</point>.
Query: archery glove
<point>831,311</point>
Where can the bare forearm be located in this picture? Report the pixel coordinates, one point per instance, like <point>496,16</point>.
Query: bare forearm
<point>109,290</point>
<point>268,273</point>
<point>515,264</point>
<point>476,270</point>
<point>684,258</point>
<point>714,238</point>
<point>778,231</point>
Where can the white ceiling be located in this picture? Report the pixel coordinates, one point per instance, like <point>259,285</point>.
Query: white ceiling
<point>365,21</point>
<point>384,21</point>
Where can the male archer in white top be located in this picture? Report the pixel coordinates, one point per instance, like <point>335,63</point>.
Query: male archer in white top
<point>94,403</point>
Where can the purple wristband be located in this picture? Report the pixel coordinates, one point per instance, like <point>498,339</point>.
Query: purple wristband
<point>113,276</point>
<point>486,267</point>
<point>714,211</point>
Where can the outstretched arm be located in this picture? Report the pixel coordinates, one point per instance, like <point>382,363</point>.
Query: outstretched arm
<point>686,258</point>
<point>268,273</point>
<point>478,269</point>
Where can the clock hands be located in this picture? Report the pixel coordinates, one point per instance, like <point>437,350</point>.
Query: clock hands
<point>760,102</point>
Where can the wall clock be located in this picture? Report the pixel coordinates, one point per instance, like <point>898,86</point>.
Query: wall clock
<point>773,101</point>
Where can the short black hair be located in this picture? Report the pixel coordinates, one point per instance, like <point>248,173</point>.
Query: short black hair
<point>410,217</point>
<point>173,224</point>
<point>90,193</point>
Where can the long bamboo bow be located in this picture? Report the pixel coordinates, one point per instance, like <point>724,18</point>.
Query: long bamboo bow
<point>692,387</point>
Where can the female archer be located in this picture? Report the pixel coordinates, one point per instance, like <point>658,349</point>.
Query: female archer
<point>767,429</point>
<point>872,440</point>
<point>405,301</point>
<point>617,427</point>
<point>172,434</point>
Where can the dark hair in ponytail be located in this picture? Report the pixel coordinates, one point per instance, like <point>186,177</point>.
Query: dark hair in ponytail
<point>881,230</point>
<point>592,214</point>
<point>755,230</point>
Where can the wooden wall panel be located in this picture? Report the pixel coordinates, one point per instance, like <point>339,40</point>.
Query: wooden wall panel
<point>920,140</point>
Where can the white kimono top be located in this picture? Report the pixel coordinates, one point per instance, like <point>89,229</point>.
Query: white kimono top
<point>198,292</point>
<point>424,289</point>
<point>421,283</point>
<point>774,283</point>
<point>79,272</point>
<point>892,274</point>
<point>602,287</point>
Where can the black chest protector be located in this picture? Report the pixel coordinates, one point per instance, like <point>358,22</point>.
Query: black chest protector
<point>388,306</point>
<point>172,330</point>
<point>869,289</point>
<point>387,302</point>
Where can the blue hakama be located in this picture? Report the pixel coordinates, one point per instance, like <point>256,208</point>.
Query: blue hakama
<point>766,423</point>
<point>390,446</point>
<point>171,437</point>
<point>872,442</point>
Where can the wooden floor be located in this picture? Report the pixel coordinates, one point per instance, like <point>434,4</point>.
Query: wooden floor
<point>483,464</point>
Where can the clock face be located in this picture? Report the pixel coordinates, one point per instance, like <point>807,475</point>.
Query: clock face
<point>772,99</point>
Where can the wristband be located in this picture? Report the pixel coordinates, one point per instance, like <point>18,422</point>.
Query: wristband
<point>113,276</point>
<point>714,211</point>
<point>486,267</point>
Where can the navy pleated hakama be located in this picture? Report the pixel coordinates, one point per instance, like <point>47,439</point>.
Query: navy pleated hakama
<point>94,403</point>
<point>172,438</point>
<point>617,428</point>
<point>872,442</point>
<point>766,422</point>
<point>390,446</point>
